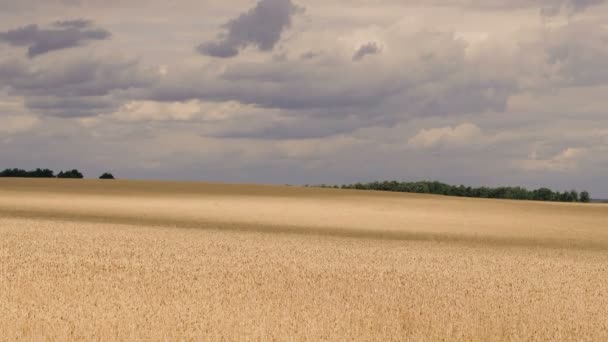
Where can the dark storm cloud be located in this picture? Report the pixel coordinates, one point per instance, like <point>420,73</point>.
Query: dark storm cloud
<point>370,48</point>
<point>261,26</point>
<point>61,35</point>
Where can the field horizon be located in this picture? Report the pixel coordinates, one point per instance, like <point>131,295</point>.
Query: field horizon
<point>154,260</point>
<point>399,215</point>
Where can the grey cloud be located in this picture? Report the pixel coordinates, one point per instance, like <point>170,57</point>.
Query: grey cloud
<point>261,26</point>
<point>569,6</point>
<point>32,3</point>
<point>83,77</point>
<point>435,79</point>
<point>285,85</point>
<point>288,126</point>
<point>548,7</point>
<point>10,70</point>
<point>76,23</point>
<point>370,48</point>
<point>298,92</point>
<point>581,49</point>
<point>218,49</point>
<point>575,54</point>
<point>71,107</point>
<point>310,55</point>
<point>462,94</point>
<point>75,87</point>
<point>61,35</point>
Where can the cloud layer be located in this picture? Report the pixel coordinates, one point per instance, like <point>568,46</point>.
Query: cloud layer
<point>478,92</point>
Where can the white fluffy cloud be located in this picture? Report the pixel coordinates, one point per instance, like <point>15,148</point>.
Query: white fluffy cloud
<point>461,135</point>
<point>566,160</point>
<point>14,118</point>
<point>17,123</point>
<point>178,111</point>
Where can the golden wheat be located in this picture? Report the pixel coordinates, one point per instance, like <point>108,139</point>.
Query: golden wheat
<point>89,260</point>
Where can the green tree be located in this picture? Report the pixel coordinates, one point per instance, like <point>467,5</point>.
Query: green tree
<point>438,188</point>
<point>38,173</point>
<point>543,194</point>
<point>574,196</point>
<point>106,175</point>
<point>584,197</point>
<point>70,174</point>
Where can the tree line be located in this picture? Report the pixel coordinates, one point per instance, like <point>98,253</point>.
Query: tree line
<point>47,173</point>
<point>438,188</point>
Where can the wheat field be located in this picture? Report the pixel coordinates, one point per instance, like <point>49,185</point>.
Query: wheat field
<point>162,261</point>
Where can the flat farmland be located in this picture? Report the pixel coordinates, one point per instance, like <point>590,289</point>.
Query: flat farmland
<point>138,260</point>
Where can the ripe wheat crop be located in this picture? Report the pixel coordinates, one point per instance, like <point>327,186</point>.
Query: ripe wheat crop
<point>88,260</point>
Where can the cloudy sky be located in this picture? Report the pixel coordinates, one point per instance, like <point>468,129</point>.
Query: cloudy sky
<point>480,92</point>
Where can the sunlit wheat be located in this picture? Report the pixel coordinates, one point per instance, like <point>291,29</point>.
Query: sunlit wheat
<point>152,261</point>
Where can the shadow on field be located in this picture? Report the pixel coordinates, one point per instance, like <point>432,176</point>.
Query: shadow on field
<point>469,239</point>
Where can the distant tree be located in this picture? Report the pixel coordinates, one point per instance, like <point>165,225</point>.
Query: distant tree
<point>106,175</point>
<point>46,173</point>
<point>438,188</point>
<point>584,197</point>
<point>543,194</point>
<point>574,196</point>
<point>13,173</point>
<point>70,174</point>
<point>38,173</point>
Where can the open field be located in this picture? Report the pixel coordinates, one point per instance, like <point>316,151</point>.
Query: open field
<point>165,261</point>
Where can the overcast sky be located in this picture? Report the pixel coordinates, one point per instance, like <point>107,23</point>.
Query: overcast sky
<point>480,92</point>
